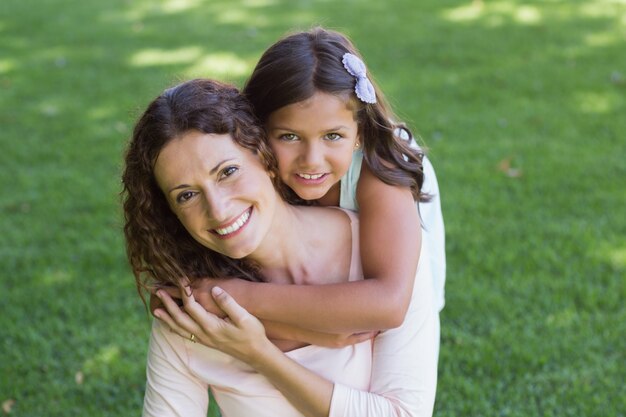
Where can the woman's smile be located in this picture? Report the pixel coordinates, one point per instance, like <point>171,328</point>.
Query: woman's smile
<point>235,227</point>
<point>219,191</point>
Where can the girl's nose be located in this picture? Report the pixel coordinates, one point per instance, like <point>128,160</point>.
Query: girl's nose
<point>313,155</point>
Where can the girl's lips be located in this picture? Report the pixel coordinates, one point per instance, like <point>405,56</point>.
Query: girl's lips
<point>312,179</point>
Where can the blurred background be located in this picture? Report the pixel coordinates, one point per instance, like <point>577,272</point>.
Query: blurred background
<point>520,103</point>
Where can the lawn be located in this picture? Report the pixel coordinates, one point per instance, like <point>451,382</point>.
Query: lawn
<point>518,102</point>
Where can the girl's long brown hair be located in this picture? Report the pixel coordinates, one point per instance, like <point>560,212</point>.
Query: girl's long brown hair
<point>301,64</point>
<point>159,249</point>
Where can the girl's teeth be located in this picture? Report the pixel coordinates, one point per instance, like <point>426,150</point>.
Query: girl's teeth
<point>311,177</point>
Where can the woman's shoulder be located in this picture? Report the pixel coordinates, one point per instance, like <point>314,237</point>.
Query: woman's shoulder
<point>331,214</point>
<point>333,225</point>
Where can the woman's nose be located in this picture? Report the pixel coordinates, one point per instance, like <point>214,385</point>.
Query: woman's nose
<point>216,204</point>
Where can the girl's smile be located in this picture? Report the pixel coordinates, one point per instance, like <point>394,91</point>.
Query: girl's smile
<point>313,141</point>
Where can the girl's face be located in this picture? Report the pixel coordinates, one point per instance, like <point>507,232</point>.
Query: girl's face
<point>219,191</point>
<point>313,141</point>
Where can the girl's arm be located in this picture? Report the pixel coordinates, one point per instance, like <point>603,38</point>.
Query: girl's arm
<point>390,238</point>
<point>403,374</point>
<point>282,331</point>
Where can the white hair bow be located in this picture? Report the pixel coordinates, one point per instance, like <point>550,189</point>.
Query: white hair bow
<point>364,89</point>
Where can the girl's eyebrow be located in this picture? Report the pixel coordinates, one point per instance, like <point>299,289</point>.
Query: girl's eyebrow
<point>338,128</point>
<point>295,130</point>
<point>280,128</point>
<point>211,172</point>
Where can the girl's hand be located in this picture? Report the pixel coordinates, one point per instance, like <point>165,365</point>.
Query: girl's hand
<point>283,332</point>
<point>239,334</point>
<point>332,340</point>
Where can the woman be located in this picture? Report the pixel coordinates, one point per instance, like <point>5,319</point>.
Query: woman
<point>199,200</point>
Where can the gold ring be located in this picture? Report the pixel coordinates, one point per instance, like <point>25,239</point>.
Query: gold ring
<point>192,337</point>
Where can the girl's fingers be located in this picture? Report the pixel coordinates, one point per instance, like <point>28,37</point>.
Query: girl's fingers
<point>362,337</point>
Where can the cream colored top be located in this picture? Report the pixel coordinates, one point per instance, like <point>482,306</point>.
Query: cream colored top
<point>402,366</point>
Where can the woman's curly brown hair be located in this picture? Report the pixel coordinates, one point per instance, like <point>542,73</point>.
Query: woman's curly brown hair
<point>160,250</point>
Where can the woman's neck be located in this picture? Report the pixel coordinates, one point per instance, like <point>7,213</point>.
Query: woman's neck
<point>305,245</point>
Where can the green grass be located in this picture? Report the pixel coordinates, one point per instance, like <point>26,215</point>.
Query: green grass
<point>535,321</point>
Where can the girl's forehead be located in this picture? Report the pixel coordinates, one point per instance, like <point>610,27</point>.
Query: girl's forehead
<point>327,96</point>
<point>318,108</point>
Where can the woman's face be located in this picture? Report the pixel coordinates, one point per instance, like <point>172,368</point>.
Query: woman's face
<point>219,191</point>
<point>313,141</point>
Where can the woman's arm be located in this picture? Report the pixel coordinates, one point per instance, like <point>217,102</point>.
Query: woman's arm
<point>171,389</point>
<point>390,238</point>
<point>403,375</point>
<point>242,336</point>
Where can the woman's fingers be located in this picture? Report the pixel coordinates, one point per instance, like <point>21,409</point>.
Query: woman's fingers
<point>155,302</point>
<point>173,292</point>
<point>193,319</point>
<point>235,312</point>
<point>163,315</point>
<point>196,311</point>
<point>178,316</point>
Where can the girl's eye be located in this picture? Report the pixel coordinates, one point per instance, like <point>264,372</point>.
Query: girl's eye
<point>184,197</point>
<point>333,137</point>
<point>229,170</point>
<point>288,137</point>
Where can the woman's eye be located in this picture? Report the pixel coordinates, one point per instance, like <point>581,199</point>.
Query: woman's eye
<point>184,196</point>
<point>333,136</point>
<point>288,137</point>
<point>228,171</point>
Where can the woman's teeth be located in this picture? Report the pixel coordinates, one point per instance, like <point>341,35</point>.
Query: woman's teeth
<point>234,226</point>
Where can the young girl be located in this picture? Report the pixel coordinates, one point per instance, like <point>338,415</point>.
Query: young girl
<point>324,117</point>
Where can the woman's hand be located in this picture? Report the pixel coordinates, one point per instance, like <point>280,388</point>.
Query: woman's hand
<point>202,292</point>
<point>239,334</point>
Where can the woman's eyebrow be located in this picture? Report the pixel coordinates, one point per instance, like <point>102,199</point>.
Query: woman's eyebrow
<point>179,187</point>
<point>211,172</point>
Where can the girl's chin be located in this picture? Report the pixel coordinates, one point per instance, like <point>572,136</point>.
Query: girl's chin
<point>310,195</point>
